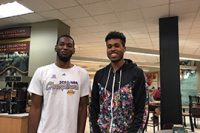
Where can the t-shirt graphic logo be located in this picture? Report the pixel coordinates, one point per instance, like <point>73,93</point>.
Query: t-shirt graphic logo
<point>64,74</point>
<point>70,92</point>
<point>53,76</point>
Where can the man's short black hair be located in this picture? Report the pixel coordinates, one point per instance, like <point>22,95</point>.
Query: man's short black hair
<point>116,35</point>
<point>68,36</point>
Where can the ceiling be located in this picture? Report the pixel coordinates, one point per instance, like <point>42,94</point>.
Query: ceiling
<point>91,20</point>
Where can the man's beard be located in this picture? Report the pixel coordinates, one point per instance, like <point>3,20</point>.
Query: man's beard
<point>64,58</point>
<point>115,60</point>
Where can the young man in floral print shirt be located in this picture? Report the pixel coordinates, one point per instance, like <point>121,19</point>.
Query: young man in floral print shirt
<point>118,92</point>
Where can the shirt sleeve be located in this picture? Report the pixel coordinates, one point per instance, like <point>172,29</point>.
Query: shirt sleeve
<point>94,106</point>
<point>35,85</point>
<point>140,98</point>
<point>85,84</point>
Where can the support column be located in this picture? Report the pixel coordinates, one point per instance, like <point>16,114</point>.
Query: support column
<point>198,77</point>
<point>169,73</point>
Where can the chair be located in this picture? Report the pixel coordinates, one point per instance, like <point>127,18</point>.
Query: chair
<point>150,111</point>
<point>152,122</point>
<point>194,110</point>
<point>185,113</point>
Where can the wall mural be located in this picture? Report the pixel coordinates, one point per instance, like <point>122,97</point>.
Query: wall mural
<point>188,85</point>
<point>14,51</point>
<point>152,80</point>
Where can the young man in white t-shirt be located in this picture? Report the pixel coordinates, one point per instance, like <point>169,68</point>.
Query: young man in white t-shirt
<point>59,94</point>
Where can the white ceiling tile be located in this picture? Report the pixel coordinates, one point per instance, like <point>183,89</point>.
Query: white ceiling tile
<point>70,23</point>
<point>187,16</point>
<point>145,46</point>
<point>87,1</point>
<point>94,40</point>
<point>150,3</point>
<point>152,22</point>
<point>189,6</point>
<point>198,15</point>
<point>106,18</point>
<point>137,30</point>
<point>133,24</point>
<point>197,52</point>
<point>34,17</point>
<point>155,12</point>
<point>75,12</point>
<point>98,8</point>
<point>174,1</point>
<point>184,31</point>
<point>124,5</point>
<point>54,14</point>
<point>62,3</point>
<point>100,34</point>
<point>113,27</point>
<point>85,21</point>
<point>143,41</point>
<point>195,37</point>
<point>181,49</point>
<point>184,25</point>
<point>128,35</point>
<point>192,46</point>
<point>130,42</point>
<point>152,25</point>
<point>6,1</point>
<point>182,42</point>
<point>96,28</point>
<point>129,15</point>
<point>188,50</point>
<point>80,40</point>
<point>77,31</point>
<point>195,30</point>
<point>89,39</point>
<point>139,36</point>
<point>13,21</point>
<point>154,35</point>
<point>3,22</point>
<point>191,42</point>
<point>186,20</point>
<point>183,36</point>
<point>36,5</point>
<point>155,41</point>
<point>196,23</point>
<point>156,46</point>
<point>153,28</point>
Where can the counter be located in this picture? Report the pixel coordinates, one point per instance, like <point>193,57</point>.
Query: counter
<point>13,123</point>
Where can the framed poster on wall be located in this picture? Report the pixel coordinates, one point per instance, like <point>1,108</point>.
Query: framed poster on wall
<point>14,51</point>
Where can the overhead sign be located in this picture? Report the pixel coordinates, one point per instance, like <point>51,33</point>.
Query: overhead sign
<point>15,46</point>
<point>16,32</point>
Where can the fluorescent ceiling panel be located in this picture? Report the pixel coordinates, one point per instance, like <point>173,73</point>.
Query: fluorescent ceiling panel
<point>13,9</point>
<point>157,55</point>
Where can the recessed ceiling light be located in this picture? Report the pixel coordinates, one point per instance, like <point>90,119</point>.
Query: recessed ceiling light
<point>13,9</point>
<point>139,53</point>
<point>157,55</point>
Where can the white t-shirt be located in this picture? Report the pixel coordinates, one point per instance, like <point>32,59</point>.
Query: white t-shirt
<point>61,90</point>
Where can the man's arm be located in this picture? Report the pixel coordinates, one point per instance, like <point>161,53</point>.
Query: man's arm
<point>94,107</point>
<point>82,113</point>
<point>35,112</point>
<point>140,98</point>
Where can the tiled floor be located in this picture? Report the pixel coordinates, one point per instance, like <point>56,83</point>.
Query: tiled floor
<point>150,129</point>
